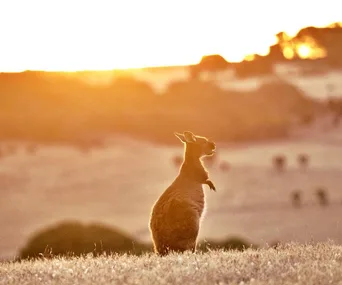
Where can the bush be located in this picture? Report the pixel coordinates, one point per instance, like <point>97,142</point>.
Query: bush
<point>73,238</point>
<point>209,63</point>
<point>233,243</point>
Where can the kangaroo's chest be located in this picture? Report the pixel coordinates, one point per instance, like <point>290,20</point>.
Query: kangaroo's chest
<point>195,196</point>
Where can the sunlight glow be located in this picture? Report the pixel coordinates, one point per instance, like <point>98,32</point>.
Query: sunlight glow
<point>304,51</point>
<point>103,35</point>
<point>288,52</point>
<point>307,48</point>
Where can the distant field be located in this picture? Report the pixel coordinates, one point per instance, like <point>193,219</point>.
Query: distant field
<point>290,264</point>
<point>118,184</point>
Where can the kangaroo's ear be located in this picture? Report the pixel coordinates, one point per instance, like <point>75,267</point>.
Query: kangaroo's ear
<point>189,137</point>
<point>180,136</point>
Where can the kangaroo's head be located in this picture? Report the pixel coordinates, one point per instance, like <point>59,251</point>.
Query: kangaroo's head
<point>196,146</point>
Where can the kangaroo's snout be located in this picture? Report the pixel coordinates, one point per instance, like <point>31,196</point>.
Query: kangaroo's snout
<point>209,148</point>
<point>212,145</point>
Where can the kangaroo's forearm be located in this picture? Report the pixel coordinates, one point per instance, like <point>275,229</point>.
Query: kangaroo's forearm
<point>210,184</point>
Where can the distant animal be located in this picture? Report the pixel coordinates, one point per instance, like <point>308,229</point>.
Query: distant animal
<point>224,166</point>
<point>176,216</point>
<point>84,148</point>
<point>11,149</point>
<point>87,145</point>
<point>177,160</point>
<point>279,162</point>
<point>303,160</point>
<point>275,244</point>
<point>307,119</point>
<point>335,106</point>
<point>32,148</point>
<point>336,120</point>
<point>322,196</point>
<point>7,150</point>
<point>209,161</point>
<point>296,198</point>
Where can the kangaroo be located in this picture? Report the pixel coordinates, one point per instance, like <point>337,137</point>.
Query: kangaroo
<point>175,218</point>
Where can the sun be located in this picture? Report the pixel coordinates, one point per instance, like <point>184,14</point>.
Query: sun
<point>304,51</point>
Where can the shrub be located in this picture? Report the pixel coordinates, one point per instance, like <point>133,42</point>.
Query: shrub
<point>73,238</point>
<point>233,243</point>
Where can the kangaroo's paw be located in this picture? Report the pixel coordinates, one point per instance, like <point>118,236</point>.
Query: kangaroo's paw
<point>210,184</point>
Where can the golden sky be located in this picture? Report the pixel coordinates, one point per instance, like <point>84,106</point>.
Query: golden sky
<point>107,34</point>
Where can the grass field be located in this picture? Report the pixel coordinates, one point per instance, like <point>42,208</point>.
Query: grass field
<point>292,263</point>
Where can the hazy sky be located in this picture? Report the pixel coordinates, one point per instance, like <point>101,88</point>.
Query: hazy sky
<point>107,34</point>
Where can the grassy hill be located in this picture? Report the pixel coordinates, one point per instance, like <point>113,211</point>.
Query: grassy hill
<point>289,264</point>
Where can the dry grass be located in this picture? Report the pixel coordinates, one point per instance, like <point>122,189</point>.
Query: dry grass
<point>290,264</point>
